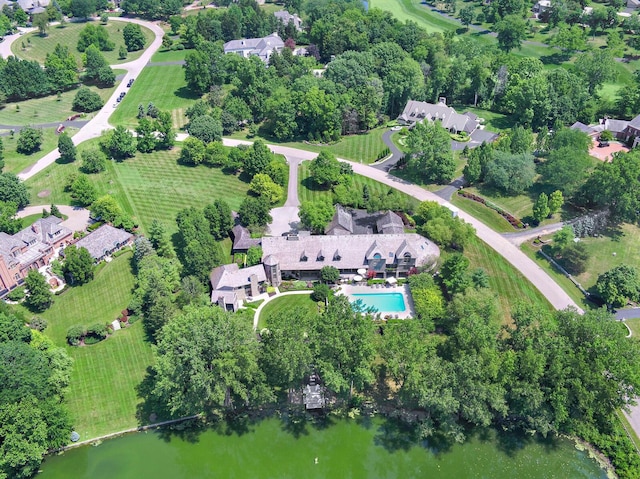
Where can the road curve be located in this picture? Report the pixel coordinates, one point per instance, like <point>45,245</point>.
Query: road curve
<point>100,121</point>
<point>529,269</point>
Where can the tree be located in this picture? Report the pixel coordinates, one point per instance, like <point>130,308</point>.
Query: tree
<point>66,148</point>
<point>218,370</point>
<point>556,201</point>
<point>220,220</point>
<point>453,274</point>
<point>254,212</point>
<point>316,215</point>
<point>431,158</point>
<point>1,154</point>
<point>96,67</point>
<point>329,274</point>
<point>619,285</point>
<point>95,35</point>
<point>41,22</point>
<point>83,191</point>
<point>61,68</point>
<point>596,67</point>
<point>133,37</point>
<point>13,190</point>
<point>54,211</point>
<point>160,239</point>
<point>193,151</point>
<point>82,8</point>
<point>216,154</point>
<point>467,15</point>
<point>264,187</point>
<point>569,38</point>
<point>93,160</point>
<point>122,52</point>
<point>87,100</point>
<point>257,159</point>
<point>119,143</point>
<point>541,208</point>
<point>566,169</point>
<point>205,128</point>
<point>165,134</point>
<point>428,300</point>
<point>254,255</point>
<point>511,30</point>
<point>30,140</point>
<point>509,173</point>
<point>106,208</point>
<point>563,238</point>
<point>472,170</point>
<point>325,170</point>
<point>342,344</point>
<point>39,298</point>
<point>145,135</point>
<point>8,221</point>
<point>78,265</point>
<point>438,224</point>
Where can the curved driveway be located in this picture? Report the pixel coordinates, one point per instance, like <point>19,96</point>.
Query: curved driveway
<point>530,270</point>
<point>100,121</point>
<point>77,217</point>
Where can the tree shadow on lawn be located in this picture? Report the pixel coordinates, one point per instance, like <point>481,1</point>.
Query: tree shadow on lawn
<point>311,185</point>
<point>185,93</point>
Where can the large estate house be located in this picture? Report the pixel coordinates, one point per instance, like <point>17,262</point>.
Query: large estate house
<point>384,255</point>
<point>31,248</point>
<point>351,221</point>
<point>623,130</point>
<point>260,47</point>
<point>418,111</point>
<point>105,241</point>
<point>231,285</point>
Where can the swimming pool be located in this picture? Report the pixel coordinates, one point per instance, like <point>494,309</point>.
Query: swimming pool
<point>382,302</point>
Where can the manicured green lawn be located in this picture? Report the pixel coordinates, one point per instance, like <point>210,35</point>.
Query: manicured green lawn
<point>280,305</point>
<point>39,46</point>
<point>307,191</point>
<point>412,10</point>
<point>169,55</point>
<point>102,395</point>
<point>148,186</point>
<point>365,148</point>
<point>165,87</point>
<point>45,110</point>
<point>509,284</point>
<point>634,325</point>
<point>488,216</point>
<point>16,162</point>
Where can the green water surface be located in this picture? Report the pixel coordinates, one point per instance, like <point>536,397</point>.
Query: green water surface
<point>344,449</point>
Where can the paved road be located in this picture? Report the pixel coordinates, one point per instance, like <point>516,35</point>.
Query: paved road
<point>5,46</point>
<point>77,218</point>
<point>520,237</point>
<point>534,273</point>
<point>447,192</point>
<point>292,189</point>
<point>396,153</point>
<point>100,121</point>
<point>55,124</point>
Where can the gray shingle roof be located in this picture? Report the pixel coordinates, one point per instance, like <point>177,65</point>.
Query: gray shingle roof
<point>231,276</point>
<point>242,239</point>
<point>104,240</point>
<point>417,111</point>
<point>345,251</point>
<point>635,123</point>
<point>36,238</point>
<point>390,223</point>
<point>341,223</point>
<point>262,47</point>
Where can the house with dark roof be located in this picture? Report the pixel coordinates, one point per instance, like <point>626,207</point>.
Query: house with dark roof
<point>31,248</point>
<point>105,241</point>
<point>622,130</point>
<point>347,221</point>
<point>384,255</point>
<point>418,111</point>
<point>242,239</point>
<point>230,285</point>
<point>260,47</point>
<point>285,17</point>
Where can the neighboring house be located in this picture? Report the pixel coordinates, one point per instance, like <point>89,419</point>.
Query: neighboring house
<point>260,47</point>
<point>32,6</point>
<point>633,4</point>
<point>31,248</point>
<point>303,257</point>
<point>351,221</point>
<point>540,7</point>
<point>242,240</point>
<point>286,18</point>
<point>105,241</point>
<point>231,285</point>
<point>623,130</point>
<point>418,111</point>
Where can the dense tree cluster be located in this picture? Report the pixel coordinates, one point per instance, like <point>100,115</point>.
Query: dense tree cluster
<point>438,224</point>
<point>95,35</point>
<point>78,265</point>
<point>34,375</point>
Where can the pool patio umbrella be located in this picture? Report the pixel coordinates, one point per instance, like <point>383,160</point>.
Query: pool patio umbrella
<point>392,280</point>
<point>362,271</point>
<point>357,278</point>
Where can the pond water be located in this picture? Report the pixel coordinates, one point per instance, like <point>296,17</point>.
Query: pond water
<point>336,449</point>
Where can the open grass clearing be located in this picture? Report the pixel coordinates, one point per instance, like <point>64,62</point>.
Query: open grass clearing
<point>37,47</point>
<point>16,162</point>
<point>147,186</point>
<point>634,325</point>
<point>279,306</point>
<point>102,395</point>
<point>412,10</point>
<point>47,109</point>
<point>508,283</point>
<point>488,216</point>
<point>165,87</point>
<point>169,55</point>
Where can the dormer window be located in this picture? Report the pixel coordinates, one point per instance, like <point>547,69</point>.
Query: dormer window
<point>303,256</point>
<point>320,256</point>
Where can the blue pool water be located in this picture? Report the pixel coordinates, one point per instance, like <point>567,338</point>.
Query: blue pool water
<point>382,302</point>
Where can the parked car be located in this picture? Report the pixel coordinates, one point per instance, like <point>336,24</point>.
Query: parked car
<point>603,144</point>
<point>130,82</point>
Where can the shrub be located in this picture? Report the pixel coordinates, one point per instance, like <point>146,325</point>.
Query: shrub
<point>30,140</point>
<point>75,335</point>
<point>321,292</point>
<point>38,323</point>
<point>97,330</point>
<point>86,100</point>
<point>16,295</point>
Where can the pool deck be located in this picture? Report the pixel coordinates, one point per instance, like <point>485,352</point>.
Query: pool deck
<point>349,290</point>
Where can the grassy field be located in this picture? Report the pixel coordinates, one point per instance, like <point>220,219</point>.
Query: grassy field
<point>45,110</point>
<point>148,186</point>
<point>488,216</point>
<point>307,191</point>
<point>405,10</point>
<point>102,396</point>
<point>169,55</point>
<point>510,285</point>
<point>37,47</point>
<point>365,148</point>
<point>16,162</point>
<point>278,306</point>
<point>170,94</point>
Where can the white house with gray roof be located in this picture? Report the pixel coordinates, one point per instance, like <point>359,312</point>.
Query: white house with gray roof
<point>105,241</point>
<point>230,285</point>
<point>418,111</point>
<point>260,47</point>
<point>302,257</point>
